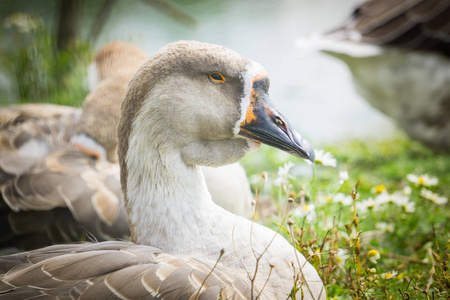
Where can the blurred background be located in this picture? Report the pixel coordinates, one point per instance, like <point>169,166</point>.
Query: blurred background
<point>47,46</point>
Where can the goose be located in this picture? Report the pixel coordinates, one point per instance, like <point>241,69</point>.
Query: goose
<point>59,174</point>
<point>398,53</point>
<point>191,104</point>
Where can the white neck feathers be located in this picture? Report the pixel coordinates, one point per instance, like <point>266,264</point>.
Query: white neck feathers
<point>164,194</point>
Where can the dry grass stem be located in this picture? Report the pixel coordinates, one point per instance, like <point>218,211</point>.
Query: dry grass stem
<point>209,274</point>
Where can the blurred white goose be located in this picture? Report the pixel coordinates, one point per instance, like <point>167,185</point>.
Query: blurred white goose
<point>398,52</point>
<point>58,165</point>
<point>191,104</point>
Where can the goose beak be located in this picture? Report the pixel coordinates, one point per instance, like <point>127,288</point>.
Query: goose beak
<point>265,124</point>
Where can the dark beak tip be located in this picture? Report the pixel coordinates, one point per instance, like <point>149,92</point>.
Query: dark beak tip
<point>312,155</point>
<point>305,149</point>
<point>307,155</point>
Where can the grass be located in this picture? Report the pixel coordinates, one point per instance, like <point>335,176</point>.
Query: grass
<point>37,72</point>
<point>409,232</point>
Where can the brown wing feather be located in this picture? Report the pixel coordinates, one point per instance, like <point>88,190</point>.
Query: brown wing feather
<point>374,14</point>
<point>98,290</point>
<point>66,179</point>
<point>15,115</point>
<point>127,282</point>
<point>427,10</point>
<point>27,124</point>
<point>408,24</point>
<point>110,270</point>
<point>29,132</point>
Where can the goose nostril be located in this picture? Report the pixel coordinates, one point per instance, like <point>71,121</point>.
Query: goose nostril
<point>280,123</point>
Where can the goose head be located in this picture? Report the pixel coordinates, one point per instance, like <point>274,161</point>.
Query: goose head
<point>108,77</point>
<point>207,101</point>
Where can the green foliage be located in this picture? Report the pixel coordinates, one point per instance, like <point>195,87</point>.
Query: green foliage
<point>378,208</point>
<point>37,70</point>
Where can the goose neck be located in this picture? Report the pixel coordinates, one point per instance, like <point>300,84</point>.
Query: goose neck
<point>168,202</point>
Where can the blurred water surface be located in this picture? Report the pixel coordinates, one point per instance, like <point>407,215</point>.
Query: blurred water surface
<point>315,91</point>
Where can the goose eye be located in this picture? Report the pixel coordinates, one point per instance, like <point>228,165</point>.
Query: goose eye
<point>217,77</point>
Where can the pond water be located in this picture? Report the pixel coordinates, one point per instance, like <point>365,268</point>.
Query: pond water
<point>314,91</point>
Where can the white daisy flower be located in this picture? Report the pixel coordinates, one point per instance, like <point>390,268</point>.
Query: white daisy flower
<point>407,190</point>
<point>360,208</point>
<point>283,174</point>
<point>404,202</point>
<point>315,253</point>
<point>398,198</point>
<point>383,198</point>
<point>371,203</point>
<point>373,255</point>
<point>322,200</point>
<point>343,177</point>
<point>284,170</point>
<point>308,210</point>
<point>422,180</point>
<point>341,255</point>
<point>410,207</point>
<point>343,235</point>
<point>389,275</point>
<point>324,158</point>
<point>365,205</point>
<point>383,226</point>
<point>427,194</point>
<point>378,189</point>
<point>328,224</point>
<point>343,199</point>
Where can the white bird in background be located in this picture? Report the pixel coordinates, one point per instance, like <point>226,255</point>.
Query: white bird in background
<point>190,104</point>
<point>399,54</point>
<point>59,174</point>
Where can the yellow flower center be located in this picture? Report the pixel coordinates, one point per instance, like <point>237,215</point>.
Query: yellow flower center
<point>388,275</point>
<point>372,253</point>
<point>420,180</point>
<point>338,259</point>
<point>305,207</point>
<point>380,188</point>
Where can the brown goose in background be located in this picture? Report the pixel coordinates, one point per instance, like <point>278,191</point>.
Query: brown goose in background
<point>399,54</point>
<point>70,181</point>
<point>191,104</point>
<point>59,175</point>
